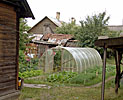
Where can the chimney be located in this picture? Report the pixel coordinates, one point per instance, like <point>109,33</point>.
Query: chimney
<point>58,15</point>
<point>73,20</point>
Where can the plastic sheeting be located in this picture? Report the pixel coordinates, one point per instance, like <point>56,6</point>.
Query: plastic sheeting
<point>72,59</point>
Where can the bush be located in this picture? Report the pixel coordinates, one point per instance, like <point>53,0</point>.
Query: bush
<point>92,76</point>
<point>61,77</point>
<point>31,73</point>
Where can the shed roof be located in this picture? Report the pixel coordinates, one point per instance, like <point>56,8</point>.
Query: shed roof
<point>57,38</point>
<point>116,42</point>
<point>25,10</point>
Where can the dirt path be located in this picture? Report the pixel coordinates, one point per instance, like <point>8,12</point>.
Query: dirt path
<point>37,86</point>
<point>99,84</point>
<point>48,87</point>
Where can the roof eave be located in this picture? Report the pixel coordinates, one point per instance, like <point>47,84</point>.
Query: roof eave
<point>25,10</point>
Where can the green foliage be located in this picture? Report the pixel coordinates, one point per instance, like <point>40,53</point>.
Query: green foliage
<point>57,60</point>
<point>24,37</point>
<point>28,64</point>
<point>91,28</point>
<point>92,76</point>
<point>70,28</point>
<point>61,77</point>
<point>31,73</point>
<point>25,65</point>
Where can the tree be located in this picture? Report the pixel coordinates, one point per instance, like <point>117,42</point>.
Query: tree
<point>91,28</point>
<point>24,37</point>
<point>67,28</point>
<point>25,65</point>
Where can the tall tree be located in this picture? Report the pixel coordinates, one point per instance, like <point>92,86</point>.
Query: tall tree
<point>91,28</point>
<point>24,37</point>
<point>67,28</point>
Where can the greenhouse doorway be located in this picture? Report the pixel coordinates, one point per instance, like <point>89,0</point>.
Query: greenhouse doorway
<point>57,60</point>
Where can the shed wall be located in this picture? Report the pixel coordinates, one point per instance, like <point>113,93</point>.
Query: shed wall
<point>8,34</point>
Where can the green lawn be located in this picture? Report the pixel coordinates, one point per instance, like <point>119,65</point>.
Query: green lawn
<point>70,93</point>
<point>63,91</point>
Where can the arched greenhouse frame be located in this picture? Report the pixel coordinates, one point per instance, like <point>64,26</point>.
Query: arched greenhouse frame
<point>70,59</point>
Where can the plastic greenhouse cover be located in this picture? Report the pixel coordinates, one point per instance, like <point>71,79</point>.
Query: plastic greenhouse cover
<point>74,59</point>
<point>85,57</point>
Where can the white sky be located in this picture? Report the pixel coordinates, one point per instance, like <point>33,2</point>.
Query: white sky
<point>78,9</point>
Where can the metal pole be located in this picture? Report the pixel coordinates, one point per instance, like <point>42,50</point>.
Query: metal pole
<point>103,73</point>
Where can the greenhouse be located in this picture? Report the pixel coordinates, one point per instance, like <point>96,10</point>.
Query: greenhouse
<point>69,59</point>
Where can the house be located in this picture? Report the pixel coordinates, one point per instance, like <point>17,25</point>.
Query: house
<point>10,12</point>
<point>46,25</point>
<point>50,40</point>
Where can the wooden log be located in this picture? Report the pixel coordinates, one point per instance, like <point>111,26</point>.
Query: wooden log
<point>5,6</point>
<point>6,89</point>
<point>7,36</point>
<point>6,78</point>
<point>8,63</point>
<point>8,49</point>
<point>2,85</point>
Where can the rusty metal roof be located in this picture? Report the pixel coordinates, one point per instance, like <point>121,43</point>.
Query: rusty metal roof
<point>57,38</point>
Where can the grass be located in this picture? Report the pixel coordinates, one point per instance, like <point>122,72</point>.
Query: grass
<point>91,77</point>
<point>71,93</point>
<point>63,91</point>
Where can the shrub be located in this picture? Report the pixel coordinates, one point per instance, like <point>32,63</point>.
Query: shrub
<point>62,77</point>
<point>31,73</point>
<point>92,76</point>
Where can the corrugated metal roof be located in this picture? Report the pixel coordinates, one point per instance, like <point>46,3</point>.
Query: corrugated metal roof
<point>37,37</point>
<point>57,38</point>
<point>45,43</point>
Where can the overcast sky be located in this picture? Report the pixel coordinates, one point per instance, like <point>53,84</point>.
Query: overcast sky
<point>78,9</point>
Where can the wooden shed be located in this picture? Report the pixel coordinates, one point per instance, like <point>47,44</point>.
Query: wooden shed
<point>10,12</point>
<point>116,44</point>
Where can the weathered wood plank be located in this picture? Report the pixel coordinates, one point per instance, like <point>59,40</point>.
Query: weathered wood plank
<point>7,52</point>
<point>7,11</point>
<point>7,35</point>
<point>8,44</point>
<point>5,71</point>
<point>2,85</point>
<point>8,24</point>
<point>8,63</point>
<point>7,18</point>
<point>7,88</point>
<point>6,78</point>
<point>7,67</point>
<point>9,91</point>
<point>2,5</point>
<point>2,60</point>
<point>111,42</point>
